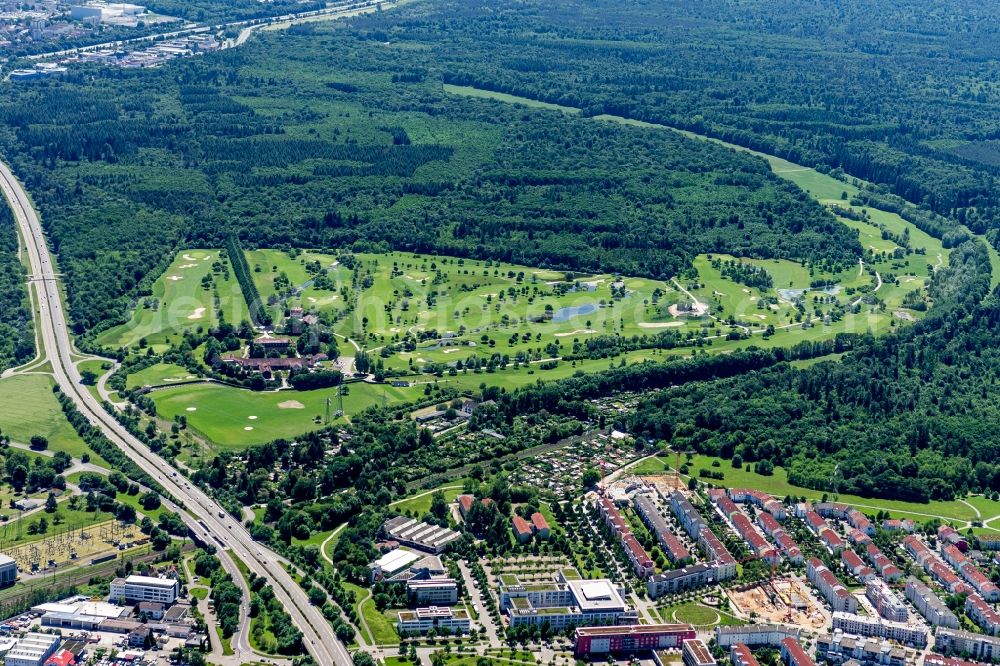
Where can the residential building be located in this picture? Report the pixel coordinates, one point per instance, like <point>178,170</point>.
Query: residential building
<point>883,565</point>
<point>755,635</point>
<point>689,577</point>
<point>695,653</point>
<point>432,591</point>
<point>792,654</point>
<point>852,561</point>
<point>857,537</point>
<point>865,625</point>
<point>522,529</point>
<point>630,638</point>
<point>422,620</point>
<point>949,535</point>
<point>929,604</point>
<point>760,500</point>
<point>32,649</point>
<point>830,586</point>
<point>717,554</point>
<point>135,589</point>
<point>982,614</point>
<point>642,563</point>
<point>885,601</point>
<point>940,660</point>
<point>860,522</point>
<point>839,648</point>
<point>153,610</point>
<point>741,655</point>
<point>758,544</point>
<point>539,525</point>
<point>969,571</point>
<point>686,514</point>
<point>645,508</point>
<point>976,646</point>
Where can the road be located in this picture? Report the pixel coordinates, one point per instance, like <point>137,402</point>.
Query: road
<point>205,518</point>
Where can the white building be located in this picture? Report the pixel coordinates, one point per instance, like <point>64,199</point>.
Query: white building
<point>422,620</point>
<point>8,570</point>
<point>864,625</point>
<point>433,591</point>
<point>565,602</point>
<point>886,602</point>
<point>32,650</point>
<point>135,589</point>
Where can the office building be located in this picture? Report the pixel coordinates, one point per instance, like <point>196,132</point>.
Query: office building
<point>565,602</point>
<point>422,620</point>
<point>695,653</point>
<point>134,589</point>
<point>630,638</point>
<point>432,591</point>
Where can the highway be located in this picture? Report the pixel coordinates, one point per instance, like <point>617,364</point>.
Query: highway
<point>203,515</point>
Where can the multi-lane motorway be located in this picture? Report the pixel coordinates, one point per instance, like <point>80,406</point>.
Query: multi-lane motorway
<point>203,515</point>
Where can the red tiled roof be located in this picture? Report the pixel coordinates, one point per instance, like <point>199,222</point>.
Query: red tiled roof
<point>521,526</point>
<point>538,520</point>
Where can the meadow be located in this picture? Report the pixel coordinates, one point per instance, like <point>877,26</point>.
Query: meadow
<point>192,292</point>
<point>30,408</point>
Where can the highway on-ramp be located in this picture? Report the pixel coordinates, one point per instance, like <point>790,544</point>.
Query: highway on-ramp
<point>202,514</point>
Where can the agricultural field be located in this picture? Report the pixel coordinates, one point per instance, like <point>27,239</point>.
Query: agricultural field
<point>195,288</point>
<point>30,408</point>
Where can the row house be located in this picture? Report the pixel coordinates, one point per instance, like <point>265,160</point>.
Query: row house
<point>982,614</point>
<point>858,538</point>
<point>896,525</point>
<point>882,564</point>
<point>760,546</point>
<point>642,563</point>
<point>718,555</point>
<point>860,522</point>
<point>854,563</point>
<point>833,510</point>
<point>948,534</point>
<point>970,572</point>
<point>760,500</point>
<point>830,586</point>
<point>832,540</point>
<point>788,546</point>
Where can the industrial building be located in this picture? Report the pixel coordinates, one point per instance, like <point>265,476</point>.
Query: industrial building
<point>32,650</point>
<point>411,532</point>
<point>8,570</point>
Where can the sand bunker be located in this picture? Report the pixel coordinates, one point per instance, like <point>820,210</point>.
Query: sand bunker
<point>718,293</point>
<point>252,418</point>
<point>192,409</point>
<point>188,257</point>
<point>174,278</point>
<point>187,265</point>
<point>451,351</point>
<point>579,331</point>
<point>248,428</point>
<point>291,404</point>
<point>745,290</point>
<point>311,299</point>
<point>660,324</point>
<point>197,314</point>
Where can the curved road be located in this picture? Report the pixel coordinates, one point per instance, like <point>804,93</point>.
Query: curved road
<point>205,518</point>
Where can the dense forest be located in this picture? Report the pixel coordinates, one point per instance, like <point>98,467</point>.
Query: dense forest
<point>17,335</point>
<point>902,93</point>
<point>274,145</point>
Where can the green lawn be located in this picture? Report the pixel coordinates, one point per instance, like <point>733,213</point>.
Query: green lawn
<point>421,502</point>
<point>382,625</point>
<point>693,613</point>
<point>180,302</point>
<point>159,374</point>
<point>223,413</point>
<point>199,593</point>
<point>778,485</point>
<point>28,407</point>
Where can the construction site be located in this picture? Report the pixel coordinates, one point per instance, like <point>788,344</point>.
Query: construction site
<point>779,600</point>
<point>84,545</point>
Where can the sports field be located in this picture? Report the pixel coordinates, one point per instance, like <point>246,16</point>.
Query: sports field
<point>191,293</point>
